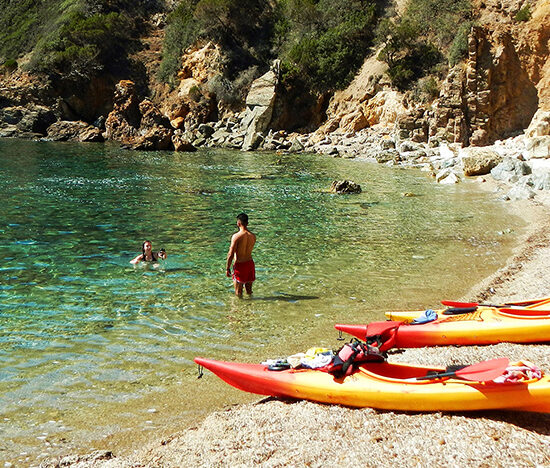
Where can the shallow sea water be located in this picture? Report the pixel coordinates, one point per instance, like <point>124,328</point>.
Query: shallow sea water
<point>95,352</point>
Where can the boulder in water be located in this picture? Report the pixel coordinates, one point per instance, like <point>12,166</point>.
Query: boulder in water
<point>345,186</point>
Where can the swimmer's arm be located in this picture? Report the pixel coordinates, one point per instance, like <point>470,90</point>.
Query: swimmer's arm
<point>138,259</point>
<point>231,254</point>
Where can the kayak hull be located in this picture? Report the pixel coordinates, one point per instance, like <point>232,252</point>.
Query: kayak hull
<point>484,326</point>
<point>384,386</point>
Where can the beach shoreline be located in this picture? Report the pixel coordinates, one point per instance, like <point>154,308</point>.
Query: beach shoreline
<point>272,432</point>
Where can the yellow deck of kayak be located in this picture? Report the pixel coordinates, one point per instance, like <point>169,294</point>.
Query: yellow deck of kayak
<point>410,315</point>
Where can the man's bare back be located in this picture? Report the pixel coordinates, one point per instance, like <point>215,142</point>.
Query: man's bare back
<point>240,252</point>
<point>244,243</point>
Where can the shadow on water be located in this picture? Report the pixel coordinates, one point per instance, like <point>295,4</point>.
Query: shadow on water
<point>284,298</point>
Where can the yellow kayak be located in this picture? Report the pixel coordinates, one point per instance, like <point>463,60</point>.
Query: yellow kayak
<point>541,306</point>
<point>387,386</point>
<point>481,327</point>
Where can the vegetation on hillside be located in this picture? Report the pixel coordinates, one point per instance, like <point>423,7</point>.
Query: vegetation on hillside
<point>325,42</point>
<point>243,29</point>
<point>321,42</point>
<point>416,43</point>
<point>73,38</point>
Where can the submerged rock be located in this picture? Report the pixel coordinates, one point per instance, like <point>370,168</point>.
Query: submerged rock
<point>345,186</point>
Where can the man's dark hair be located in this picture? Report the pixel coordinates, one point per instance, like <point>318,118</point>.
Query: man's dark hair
<point>243,218</point>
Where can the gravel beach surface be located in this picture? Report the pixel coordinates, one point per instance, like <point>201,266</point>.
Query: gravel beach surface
<point>276,433</point>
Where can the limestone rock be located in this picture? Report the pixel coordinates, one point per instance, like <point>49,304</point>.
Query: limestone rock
<point>262,91</point>
<point>537,147</point>
<point>412,124</point>
<point>503,98</point>
<point>452,178</point>
<point>540,125</point>
<point>123,121</point>
<point>478,161</point>
<point>178,122</point>
<point>386,155</point>
<point>151,115</point>
<point>296,146</point>
<point>138,125</point>
<point>510,170</point>
<point>518,192</point>
<point>91,134</point>
<point>541,181</point>
<point>354,122</point>
<point>260,101</point>
<point>447,176</point>
<point>383,108</point>
<point>63,130</point>
<point>31,119</point>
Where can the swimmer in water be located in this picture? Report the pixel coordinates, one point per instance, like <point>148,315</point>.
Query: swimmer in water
<point>148,255</point>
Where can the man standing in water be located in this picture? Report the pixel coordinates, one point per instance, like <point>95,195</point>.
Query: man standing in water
<point>240,250</point>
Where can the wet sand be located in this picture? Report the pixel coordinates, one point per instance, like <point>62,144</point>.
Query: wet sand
<point>274,433</point>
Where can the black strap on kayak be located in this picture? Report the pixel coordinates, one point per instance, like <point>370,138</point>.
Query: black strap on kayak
<point>459,310</point>
<point>352,353</point>
<point>355,345</point>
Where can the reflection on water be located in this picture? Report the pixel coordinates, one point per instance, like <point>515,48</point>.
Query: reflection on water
<point>89,341</point>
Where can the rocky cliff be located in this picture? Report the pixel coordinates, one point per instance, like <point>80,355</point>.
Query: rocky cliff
<point>493,95</point>
<point>497,92</point>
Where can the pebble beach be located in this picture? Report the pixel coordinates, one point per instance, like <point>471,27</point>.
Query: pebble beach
<point>277,433</point>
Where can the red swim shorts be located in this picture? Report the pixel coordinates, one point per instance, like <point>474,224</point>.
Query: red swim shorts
<point>244,272</point>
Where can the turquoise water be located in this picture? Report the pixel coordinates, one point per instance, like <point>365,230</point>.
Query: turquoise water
<point>92,347</point>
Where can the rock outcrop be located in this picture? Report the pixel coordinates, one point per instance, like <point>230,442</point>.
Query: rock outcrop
<point>141,125</point>
<point>124,120</point>
<point>368,101</point>
<point>259,108</point>
<point>193,103</point>
<point>63,130</point>
<point>501,98</point>
<point>494,95</point>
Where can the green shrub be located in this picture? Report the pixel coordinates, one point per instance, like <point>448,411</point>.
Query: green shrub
<point>195,93</point>
<point>412,45</point>
<point>426,89</point>
<point>84,46</point>
<point>10,65</point>
<point>524,14</point>
<point>438,20</point>
<point>181,31</point>
<point>459,47</point>
<point>24,22</point>
<point>322,42</point>
<point>327,41</point>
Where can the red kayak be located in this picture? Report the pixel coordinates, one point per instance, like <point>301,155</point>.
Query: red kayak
<point>480,327</point>
<point>399,387</point>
